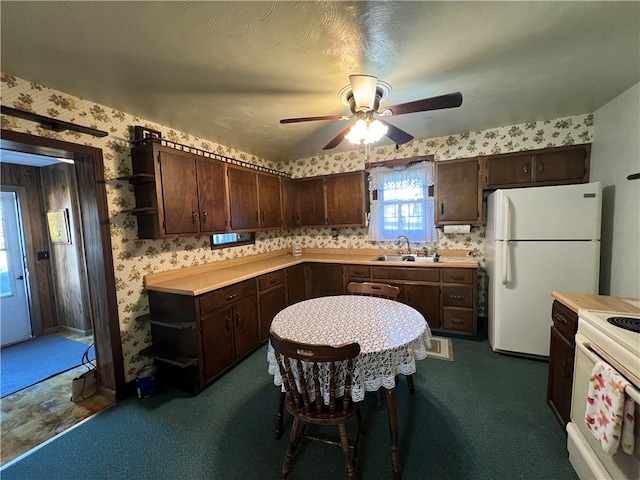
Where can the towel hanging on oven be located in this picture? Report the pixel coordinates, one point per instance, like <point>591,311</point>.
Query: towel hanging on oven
<point>610,411</point>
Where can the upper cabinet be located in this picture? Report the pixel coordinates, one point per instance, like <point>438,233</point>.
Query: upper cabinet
<point>548,166</point>
<point>255,200</point>
<point>328,201</point>
<point>457,192</point>
<point>161,175</point>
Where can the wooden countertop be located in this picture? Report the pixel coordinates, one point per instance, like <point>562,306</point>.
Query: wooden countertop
<point>576,301</point>
<point>205,278</point>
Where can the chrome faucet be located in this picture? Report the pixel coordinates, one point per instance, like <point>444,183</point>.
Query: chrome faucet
<point>408,244</point>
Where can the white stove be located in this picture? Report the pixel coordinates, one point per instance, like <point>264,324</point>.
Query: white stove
<point>601,339</point>
<point>620,344</point>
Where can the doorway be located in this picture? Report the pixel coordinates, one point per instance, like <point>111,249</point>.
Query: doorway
<point>94,222</point>
<point>15,316</point>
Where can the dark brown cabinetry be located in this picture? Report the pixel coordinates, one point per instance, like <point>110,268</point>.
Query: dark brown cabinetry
<point>419,288</point>
<point>549,166</point>
<point>271,299</point>
<point>295,284</point>
<point>458,300</point>
<point>562,350</point>
<point>323,279</point>
<point>457,193</point>
<point>255,201</point>
<point>331,200</point>
<point>160,176</point>
<point>195,339</point>
<point>445,296</point>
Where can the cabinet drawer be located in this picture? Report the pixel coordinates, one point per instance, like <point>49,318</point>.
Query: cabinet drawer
<point>359,271</point>
<point>458,319</point>
<point>458,275</point>
<point>410,274</point>
<point>458,296</point>
<point>270,280</point>
<point>565,320</point>
<point>225,296</point>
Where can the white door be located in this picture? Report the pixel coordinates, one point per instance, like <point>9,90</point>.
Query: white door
<point>524,275</point>
<point>15,318</point>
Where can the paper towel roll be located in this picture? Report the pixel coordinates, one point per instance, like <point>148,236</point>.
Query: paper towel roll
<point>457,229</point>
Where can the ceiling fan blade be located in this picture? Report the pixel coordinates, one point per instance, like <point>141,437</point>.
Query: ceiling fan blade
<point>450,100</point>
<point>364,91</point>
<point>313,119</point>
<point>397,135</point>
<point>337,139</point>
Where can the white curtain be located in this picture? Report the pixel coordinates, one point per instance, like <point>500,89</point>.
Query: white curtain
<point>403,206</point>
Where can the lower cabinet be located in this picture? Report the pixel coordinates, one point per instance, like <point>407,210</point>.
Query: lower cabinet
<point>195,339</point>
<point>272,298</point>
<point>323,279</point>
<point>561,353</point>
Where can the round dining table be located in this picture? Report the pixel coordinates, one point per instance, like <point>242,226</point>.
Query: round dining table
<point>391,335</point>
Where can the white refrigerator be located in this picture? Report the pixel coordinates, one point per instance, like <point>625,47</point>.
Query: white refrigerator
<point>539,239</point>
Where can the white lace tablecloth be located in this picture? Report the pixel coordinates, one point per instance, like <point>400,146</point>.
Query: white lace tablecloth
<point>392,336</point>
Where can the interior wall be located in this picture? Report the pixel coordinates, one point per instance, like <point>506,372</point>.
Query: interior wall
<point>44,315</point>
<point>615,154</point>
<point>69,275</point>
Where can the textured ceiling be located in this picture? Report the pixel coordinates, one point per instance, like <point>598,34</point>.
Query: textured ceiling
<point>229,71</point>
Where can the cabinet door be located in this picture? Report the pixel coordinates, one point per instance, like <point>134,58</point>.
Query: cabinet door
<point>561,166</point>
<point>211,195</point>
<point>269,199</point>
<point>458,198</point>
<point>246,329</point>
<point>295,284</point>
<point>217,342</point>
<point>323,279</point>
<point>243,199</point>
<point>271,302</point>
<point>305,201</point>
<point>346,199</point>
<point>425,299</point>
<point>178,178</point>
<point>560,378</point>
<point>508,170</point>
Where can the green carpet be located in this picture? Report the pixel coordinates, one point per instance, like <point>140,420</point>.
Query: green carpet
<point>481,416</point>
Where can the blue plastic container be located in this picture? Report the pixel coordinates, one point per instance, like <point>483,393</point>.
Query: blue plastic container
<point>146,381</point>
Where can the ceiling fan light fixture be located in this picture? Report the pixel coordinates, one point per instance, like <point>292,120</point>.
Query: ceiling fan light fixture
<point>365,132</point>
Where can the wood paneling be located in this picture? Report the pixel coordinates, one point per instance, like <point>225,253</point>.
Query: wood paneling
<point>43,304</point>
<point>69,272</point>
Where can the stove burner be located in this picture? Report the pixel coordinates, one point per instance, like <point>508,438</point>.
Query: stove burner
<point>628,323</point>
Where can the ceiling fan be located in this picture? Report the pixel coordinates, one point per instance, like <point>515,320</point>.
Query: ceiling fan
<point>363,95</point>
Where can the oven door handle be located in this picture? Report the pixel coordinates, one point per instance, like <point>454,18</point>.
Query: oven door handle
<point>629,389</point>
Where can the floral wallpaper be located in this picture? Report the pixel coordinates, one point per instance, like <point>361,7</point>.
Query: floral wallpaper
<point>134,258</point>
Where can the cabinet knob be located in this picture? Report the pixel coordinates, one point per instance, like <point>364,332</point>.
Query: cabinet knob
<point>194,216</point>
<point>442,209</point>
<point>458,277</point>
<point>525,169</point>
<point>457,320</point>
<point>456,297</point>
<point>231,297</point>
<point>204,216</point>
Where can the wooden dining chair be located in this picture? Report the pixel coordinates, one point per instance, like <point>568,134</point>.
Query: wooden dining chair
<point>374,289</point>
<point>323,367</point>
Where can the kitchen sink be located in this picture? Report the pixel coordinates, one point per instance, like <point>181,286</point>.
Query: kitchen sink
<point>404,258</point>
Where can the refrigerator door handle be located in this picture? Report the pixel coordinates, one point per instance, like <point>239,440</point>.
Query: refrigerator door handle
<point>505,259</point>
<point>506,218</point>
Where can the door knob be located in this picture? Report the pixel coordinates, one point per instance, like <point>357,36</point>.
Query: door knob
<point>20,278</point>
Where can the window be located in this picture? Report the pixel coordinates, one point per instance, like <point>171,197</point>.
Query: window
<point>224,240</point>
<point>402,205</point>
